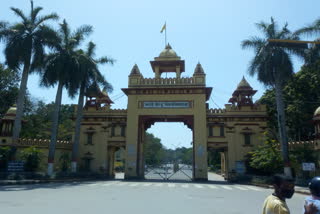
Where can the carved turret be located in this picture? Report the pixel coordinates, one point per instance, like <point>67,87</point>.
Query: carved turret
<point>135,71</point>
<point>242,96</point>
<point>168,61</point>
<point>97,98</point>
<point>199,75</point>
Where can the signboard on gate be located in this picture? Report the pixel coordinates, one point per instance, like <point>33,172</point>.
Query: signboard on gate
<point>240,167</point>
<point>15,166</point>
<point>308,167</point>
<point>166,104</point>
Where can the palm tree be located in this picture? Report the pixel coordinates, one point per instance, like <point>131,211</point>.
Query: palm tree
<point>61,67</point>
<point>312,54</point>
<point>25,44</point>
<point>89,76</point>
<point>273,67</point>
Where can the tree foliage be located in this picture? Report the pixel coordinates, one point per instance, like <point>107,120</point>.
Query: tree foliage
<point>9,87</point>
<point>32,157</point>
<point>266,159</point>
<point>301,98</point>
<point>39,120</point>
<point>156,154</point>
<point>214,159</point>
<point>154,150</point>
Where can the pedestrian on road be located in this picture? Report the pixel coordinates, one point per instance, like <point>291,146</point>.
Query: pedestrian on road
<point>314,199</point>
<point>283,189</point>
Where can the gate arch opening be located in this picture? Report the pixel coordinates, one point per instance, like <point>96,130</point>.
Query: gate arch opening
<point>168,155</point>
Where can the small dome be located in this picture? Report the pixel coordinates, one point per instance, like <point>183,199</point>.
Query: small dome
<point>317,112</point>
<point>244,84</point>
<point>168,52</point>
<point>11,113</point>
<point>12,110</point>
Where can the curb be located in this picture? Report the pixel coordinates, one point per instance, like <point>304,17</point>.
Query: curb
<point>304,192</point>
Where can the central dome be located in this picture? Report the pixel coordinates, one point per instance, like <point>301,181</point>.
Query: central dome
<point>168,53</point>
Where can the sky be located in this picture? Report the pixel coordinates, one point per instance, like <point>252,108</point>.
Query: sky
<point>205,31</point>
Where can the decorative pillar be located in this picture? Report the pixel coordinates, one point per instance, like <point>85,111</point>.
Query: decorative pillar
<point>157,72</point>
<point>178,71</point>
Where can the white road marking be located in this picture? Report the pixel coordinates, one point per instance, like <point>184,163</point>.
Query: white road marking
<point>212,187</point>
<point>109,184</point>
<point>171,185</point>
<point>185,186</point>
<point>226,187</point>
<point>159,185</point>
<point>147,184</point>
<point>241,188</point>
<point>198,186</point>
<point>134,184</point>
<point>95,184</point>
<point>253,188</point>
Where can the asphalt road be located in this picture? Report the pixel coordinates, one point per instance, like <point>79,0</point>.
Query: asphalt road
<point>152,197</point>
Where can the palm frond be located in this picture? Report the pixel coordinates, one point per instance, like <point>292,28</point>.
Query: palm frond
<point>42,19</point>
<point>253,42</point>
<point>84,30</point>
<point>310,30</point>
<point>105,60</point>
<point>284,33</point>
<point>269,29</point>
<point>34,13</point>
<point>4,31</point>
<point>91,49</point>
<point>20,14</point>
<point>3,25</point>
<point>13,59</point>
<point>65,32</point>
<point>81,33</point>
<point>48,36</point>
<point>38,56</point>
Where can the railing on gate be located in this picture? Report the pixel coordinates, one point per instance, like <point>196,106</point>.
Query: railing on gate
<point>167,172</point>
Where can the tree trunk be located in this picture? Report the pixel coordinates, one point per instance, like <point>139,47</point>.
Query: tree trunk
<point>54,130</point>
<point>20,102</point>
<point>282,127</point>
<point>75,147</point>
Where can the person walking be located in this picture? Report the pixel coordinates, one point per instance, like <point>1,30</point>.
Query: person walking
<point>283,189</point>
<point>314,199</point>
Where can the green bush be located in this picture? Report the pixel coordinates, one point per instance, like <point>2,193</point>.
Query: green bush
<point>266,159</point>
<point>32,158</point>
